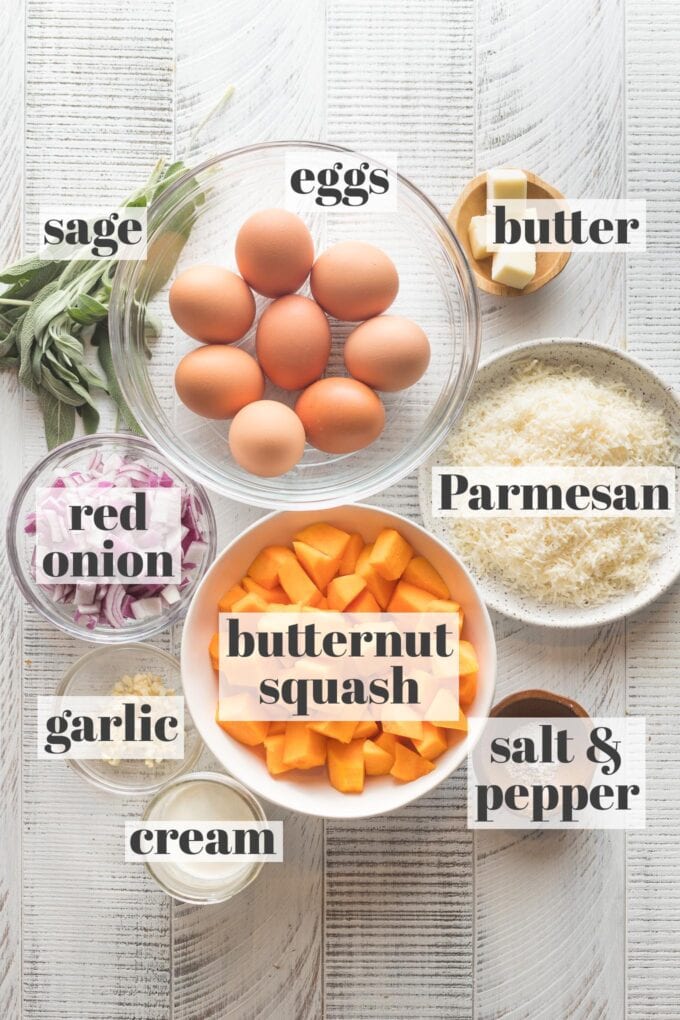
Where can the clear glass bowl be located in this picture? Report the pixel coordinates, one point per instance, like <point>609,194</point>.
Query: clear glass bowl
<point>75,456</point>
<point>436,290</point>
<point>95,674</point>
<point>207,888</point>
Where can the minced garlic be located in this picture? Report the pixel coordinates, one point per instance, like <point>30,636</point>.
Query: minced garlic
<point>141,685</point>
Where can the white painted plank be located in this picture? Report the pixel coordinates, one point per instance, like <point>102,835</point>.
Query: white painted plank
<point>260,954</point>
<point>399,888</point>
<point>550,908</point>
<point>98,115</point>
<point>11,207</point>
<point>653,855</point>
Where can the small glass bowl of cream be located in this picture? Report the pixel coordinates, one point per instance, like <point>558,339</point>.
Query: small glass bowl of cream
<point>197,797</point>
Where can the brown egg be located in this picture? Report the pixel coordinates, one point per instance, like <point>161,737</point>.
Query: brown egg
<point>266,438</point>
<point>216,381</point>
<point>274,252</point>
<point>354,281</point>
<point>340,415</point>
<point>293,341</point>
<point>388,352</point>
<point>211,304</point>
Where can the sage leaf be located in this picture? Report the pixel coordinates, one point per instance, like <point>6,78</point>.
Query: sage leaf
<point>59,420</point>
<point>115,392</point>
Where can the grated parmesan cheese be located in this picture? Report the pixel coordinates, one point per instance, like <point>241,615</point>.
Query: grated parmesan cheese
<point>562,416</point>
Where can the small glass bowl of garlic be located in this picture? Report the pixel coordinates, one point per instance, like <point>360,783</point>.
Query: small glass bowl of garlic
<point>135,674</point>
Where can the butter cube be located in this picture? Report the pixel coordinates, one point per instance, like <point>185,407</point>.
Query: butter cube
<point>478,231</point>
<point>504,182</point>
<point>514,267</point>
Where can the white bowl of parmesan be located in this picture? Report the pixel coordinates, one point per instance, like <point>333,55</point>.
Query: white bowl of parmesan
<point>551,404</point>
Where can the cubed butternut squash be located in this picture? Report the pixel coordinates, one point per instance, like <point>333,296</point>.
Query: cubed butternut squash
<point>386,741</point>
<point>346,769</point>
<point>380,589</point>
<point>214,649</point>
<point>250,603</point>
<point>303,748</point>
<point>273,745</point>
<point>366,730</point>
<point>351,554</point>
<point>342,731</point>
<point>447,606</point>
<point>233,595</point>
<point>325,538</point>
<point>297,585</point>
<point>250,732</point>
<point>460,723</point>
<point>391,554</point>
<point>408,765</point>
<point>284,607</point>
<point>276,727</point>
<point>412,730</point>
<point>409,599</point>
<point>420,572</point>
<point>265,567</point>
<point>377,762</point>
<point>364,603</point>
<point>467,689</point>
<point>275,594</point>
<point>343,590</point>
<point>432,743</point>
<point>320,567</point>
<point>467,658</point>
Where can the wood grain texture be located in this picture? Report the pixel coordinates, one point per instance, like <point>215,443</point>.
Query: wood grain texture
<point>653,855</point>
<point>549,907</point>
<point>98,115</point>
<point>259,955</point>
<point>11,205</point>
<point>399,888</point>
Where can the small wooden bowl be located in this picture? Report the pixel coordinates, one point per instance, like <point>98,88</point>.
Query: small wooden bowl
<point>538,704</point>
<point>472,202</point>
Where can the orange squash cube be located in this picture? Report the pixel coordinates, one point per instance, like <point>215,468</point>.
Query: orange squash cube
<point>233,595</point>
<point>214,649</point>
<point>273,745</point>
<point>380,589</point>
<point>346,769</point>
<point>386,741</point>
<point>366,730</point>
<point>391,554</point>
<point>351,555</point>
<point>422,574</point>
<point>265,567</point>
<point>412,730</point>
<point>303,748</point>
<point>320,567</point>
<point>249,732</point>
<point>447,606</point>
<point>297,585</point>
<point>343,590</point>
<point>432,743</point>
<point>467,689</point>
<point>364,603</point>
<point>408,765</point>
<point>275,594</point>
<point>324,537</point>
<point>409,599</point>
<point>377,762</point>
<point>250,603</point>
<point>340,731</point>
<point>467,658</point>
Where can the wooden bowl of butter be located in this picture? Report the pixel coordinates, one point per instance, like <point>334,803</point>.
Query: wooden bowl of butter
<point>510,272</point>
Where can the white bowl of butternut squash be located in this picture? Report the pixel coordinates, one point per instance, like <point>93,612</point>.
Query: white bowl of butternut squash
<point>354,558</point>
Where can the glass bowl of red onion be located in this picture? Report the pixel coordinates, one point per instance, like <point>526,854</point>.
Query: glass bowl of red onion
<point>117,612</point>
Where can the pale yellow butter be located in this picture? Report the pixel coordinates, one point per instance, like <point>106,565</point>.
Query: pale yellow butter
<point>479,231</point>
<point>504,182</point>
<point>513,267</point>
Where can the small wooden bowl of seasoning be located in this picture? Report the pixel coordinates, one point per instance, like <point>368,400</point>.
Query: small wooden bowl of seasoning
<point>472,202</point>
<point>537,704</point>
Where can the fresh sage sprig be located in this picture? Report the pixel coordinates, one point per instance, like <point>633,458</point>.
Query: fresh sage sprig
<point>52,312</point>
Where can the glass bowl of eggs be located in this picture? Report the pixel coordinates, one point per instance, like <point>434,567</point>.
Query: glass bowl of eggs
<point>289,354</point>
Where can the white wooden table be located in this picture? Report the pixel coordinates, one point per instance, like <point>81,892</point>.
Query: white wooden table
<point>410,916</point>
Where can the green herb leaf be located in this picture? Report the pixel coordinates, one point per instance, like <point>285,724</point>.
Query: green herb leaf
<point>103,345</point>
<point>59,419</point>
